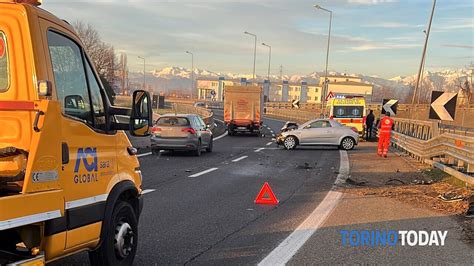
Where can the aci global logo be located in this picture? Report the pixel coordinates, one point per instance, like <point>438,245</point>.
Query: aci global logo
<point>88,173</point>
<point>375,238</point>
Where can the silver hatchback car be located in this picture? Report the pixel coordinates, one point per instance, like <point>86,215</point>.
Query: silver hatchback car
<point>320,132</point>
<point>186,132</point>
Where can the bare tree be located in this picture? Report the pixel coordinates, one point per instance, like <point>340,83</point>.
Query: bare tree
<point>102,54</point>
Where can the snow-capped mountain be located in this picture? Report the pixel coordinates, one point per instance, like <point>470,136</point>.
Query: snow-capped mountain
<point>173,72</point>
<point>170,78</point>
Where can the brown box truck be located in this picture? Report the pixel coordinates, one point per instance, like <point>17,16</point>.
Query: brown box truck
<point>243,109</point>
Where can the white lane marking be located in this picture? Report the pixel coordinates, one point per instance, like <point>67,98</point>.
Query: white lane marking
<point>204,172</point>
<point>146,191</point>
<point>239,159</point>
<point>269,143</point>
<point>288,247</point>
<point>344,169</point>
<point>259,149</point>
<point>144,154</point>
<point>221,136</point>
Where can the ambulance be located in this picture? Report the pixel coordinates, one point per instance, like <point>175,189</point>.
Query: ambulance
<point>348,110</point>
<point>70,180</point>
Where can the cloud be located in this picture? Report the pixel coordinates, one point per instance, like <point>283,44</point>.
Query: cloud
<point>370,2</point>
<point>383,46</point>
<point>463,46</point>
<point>392,25</point>
<point>449,24</point>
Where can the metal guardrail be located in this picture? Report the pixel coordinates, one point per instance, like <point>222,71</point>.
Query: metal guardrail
<point>423,140</point>
<point>299,116</point>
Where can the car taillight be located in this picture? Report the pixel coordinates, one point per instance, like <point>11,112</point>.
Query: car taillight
<point>190,130</point>
<point>331,117</point>
<point>355,129</point>
<point>155,130</point>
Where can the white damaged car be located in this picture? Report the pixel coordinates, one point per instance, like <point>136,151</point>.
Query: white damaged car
<point>319,132</point>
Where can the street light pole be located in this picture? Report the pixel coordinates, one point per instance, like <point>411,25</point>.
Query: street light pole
<point>326,80</point>
<point>144,78</point>
<point>192,73</point>
<point>254,53</point>
<point>269,60</point>
<point>423,53</point>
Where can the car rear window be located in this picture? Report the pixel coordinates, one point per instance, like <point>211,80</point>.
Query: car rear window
<point>172,121</point>
<point>4,75</point>
<point>348,111</point>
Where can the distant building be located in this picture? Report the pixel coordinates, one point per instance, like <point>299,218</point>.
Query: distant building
<point>348,85</point>
<point>213,88</point>
<point>296,92</point>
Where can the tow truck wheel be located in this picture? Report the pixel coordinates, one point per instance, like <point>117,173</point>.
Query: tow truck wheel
<point>120,244</point>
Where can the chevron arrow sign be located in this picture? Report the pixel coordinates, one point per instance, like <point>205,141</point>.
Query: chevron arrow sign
<point>443,105</point>
<point>389,106</point>
<point>295,104</point>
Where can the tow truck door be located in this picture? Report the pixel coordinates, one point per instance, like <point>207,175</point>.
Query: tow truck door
<point>88,150</point>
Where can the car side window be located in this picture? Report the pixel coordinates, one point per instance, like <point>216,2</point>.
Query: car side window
<point>320,124</point>
<point>70,77</point>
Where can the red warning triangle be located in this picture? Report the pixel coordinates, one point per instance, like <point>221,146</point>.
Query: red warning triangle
<point>266,196</point>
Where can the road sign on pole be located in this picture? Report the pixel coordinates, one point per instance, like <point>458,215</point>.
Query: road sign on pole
<point>389,106</point>
<point>329,96</point>
<point>443,105</point>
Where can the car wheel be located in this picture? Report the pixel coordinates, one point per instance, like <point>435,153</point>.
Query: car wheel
<point>209,147</point>
<point>198,150</point>
<point>119,245</point>
<point>347,143</point>
<point>289,143</point>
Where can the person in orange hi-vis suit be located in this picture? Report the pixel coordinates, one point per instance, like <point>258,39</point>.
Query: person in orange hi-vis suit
<point>385,127</point>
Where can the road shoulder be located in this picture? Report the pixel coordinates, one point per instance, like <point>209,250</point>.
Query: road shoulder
<point>383,212</point>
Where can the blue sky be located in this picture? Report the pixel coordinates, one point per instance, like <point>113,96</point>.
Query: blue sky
<point>372,37</point>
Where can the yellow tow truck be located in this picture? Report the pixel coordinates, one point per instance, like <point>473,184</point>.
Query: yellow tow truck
<point>70,180</point>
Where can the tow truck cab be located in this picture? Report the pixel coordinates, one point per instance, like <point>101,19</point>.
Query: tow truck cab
<point>69,178</point>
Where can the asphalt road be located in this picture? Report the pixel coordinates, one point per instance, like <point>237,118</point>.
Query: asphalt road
<point>211,218</point>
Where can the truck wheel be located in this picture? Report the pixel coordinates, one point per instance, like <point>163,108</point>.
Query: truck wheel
<point>119,245</point>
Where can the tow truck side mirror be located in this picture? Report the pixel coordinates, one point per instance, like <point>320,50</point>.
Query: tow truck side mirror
<point>141,115</point>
